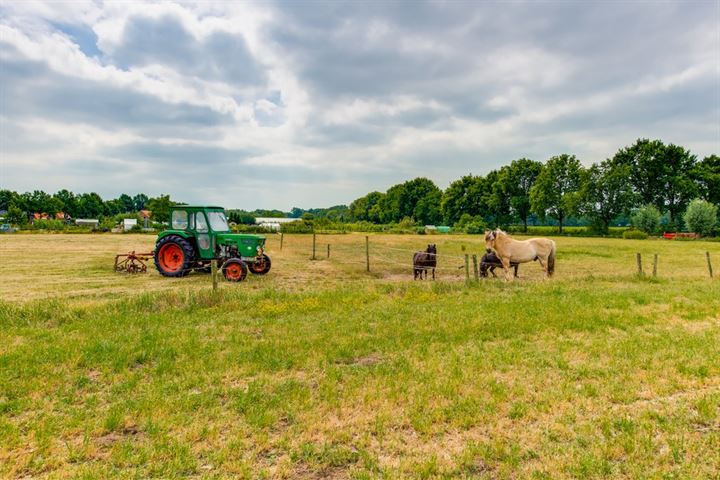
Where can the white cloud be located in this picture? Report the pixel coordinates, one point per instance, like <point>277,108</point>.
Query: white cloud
<point>285,96</point>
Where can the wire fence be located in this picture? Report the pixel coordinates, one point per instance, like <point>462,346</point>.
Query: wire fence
<point>380,258</point>
<point>375,257</point>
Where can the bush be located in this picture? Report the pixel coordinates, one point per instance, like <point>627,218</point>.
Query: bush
<point>469,224</point>
<point>646,219</point>
<point>475,227</point>
<point>106,224</point>
<point>407,224</point>
<point>15,216</point>
<point>48,225</point>
<point>635,235</point>
<point>701,217</point>
<point>300,226</point>
<point>242,228</point>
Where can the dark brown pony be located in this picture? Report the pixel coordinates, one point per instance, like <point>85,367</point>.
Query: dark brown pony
<point>424,261</point>
<point>490,262</point>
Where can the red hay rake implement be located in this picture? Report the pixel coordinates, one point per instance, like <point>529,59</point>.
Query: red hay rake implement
<point>132,262</point>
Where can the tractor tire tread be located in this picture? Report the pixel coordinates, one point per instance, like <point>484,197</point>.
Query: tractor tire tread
<point>188,257</point>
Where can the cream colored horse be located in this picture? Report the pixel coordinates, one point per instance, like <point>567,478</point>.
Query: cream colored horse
<point>521,251</point>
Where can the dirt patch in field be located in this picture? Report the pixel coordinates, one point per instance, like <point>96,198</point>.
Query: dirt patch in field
<point>128,431</point>
<point>364,361</point>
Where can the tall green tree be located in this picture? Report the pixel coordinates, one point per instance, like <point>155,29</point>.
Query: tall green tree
<point>360,208</point>
<point>427,209</point>
<point>8,197</point>
<point>462,196</point>
<point>556,192</point>
<point>126,203</point>
<point>388,208</point>
<point>241,217</point>
<point>53,206</point>
<point>69,201</point>
<point>36,202</point>
<point>16,216</point>
<point>662,175</point>
<point>420,199</point>
<point>678,185</point>
<point>645,159</point>
<point>515,182</point>
<point>494,203</point>
<point>707,176</point>
<point>606,193</point>
<point>140,201</point>
<point>113,207</point>
<point>90,205</point>
<point>160,208</point>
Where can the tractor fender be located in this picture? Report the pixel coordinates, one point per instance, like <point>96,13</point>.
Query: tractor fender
<point>179,233</point>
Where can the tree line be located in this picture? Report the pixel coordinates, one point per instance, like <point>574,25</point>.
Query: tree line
<point>645,174</point>
<point>21,206</point>
<point>648,172</point>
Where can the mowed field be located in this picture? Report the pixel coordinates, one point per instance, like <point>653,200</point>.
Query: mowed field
<point>322,370</point>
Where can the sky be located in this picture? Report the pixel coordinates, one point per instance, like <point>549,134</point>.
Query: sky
<point>311,104</point>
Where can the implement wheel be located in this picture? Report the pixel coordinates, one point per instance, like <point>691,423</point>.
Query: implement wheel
<point>234,270</point>
<point>261,265</point>
<point>174,256</point>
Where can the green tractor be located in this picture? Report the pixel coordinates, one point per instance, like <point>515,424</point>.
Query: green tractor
<point>201,235</point>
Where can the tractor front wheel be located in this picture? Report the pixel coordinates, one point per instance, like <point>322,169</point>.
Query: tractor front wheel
<point>234,270</point>
<point>261,265</point>
<point>174,256</point>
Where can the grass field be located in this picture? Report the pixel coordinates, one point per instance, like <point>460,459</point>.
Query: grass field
<point>322,370</point>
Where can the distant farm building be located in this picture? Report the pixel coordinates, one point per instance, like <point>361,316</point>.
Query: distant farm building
<point>273,223</point>
<point>44,216</point>
<point>87,222</point>
<point>129,223</point>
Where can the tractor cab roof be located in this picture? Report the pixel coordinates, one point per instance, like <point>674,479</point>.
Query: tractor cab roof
<point>196,207</point>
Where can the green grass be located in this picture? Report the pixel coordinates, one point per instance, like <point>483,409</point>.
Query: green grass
<point>590,375</point>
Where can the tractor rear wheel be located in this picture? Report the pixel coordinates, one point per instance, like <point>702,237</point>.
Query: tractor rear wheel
<point>174,256</point>
<point>234,270</point>
<point>261,266</point>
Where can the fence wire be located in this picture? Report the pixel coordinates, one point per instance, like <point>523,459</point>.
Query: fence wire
<point>381,258</point>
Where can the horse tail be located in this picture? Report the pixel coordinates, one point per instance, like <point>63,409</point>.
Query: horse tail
<point>551,260</point>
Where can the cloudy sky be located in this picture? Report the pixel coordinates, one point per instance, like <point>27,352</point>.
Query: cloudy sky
<point>312,104</point>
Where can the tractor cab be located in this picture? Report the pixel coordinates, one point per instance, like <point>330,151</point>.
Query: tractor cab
<point>199,235</point>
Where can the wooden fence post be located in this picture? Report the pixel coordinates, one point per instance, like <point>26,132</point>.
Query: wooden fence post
<point>367,252</point>
<point>328,255</point>
<point>313,257</point>
<point>639,264</point>
<point>475,268</point>
<point>655,265</point>
<point>707,255</point>
<point>281,240</point>
<point>467,267</point>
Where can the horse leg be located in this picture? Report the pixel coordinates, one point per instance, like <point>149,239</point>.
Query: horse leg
<point>433,273</point>
<point>506,267</point>
<point>544,265</point>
